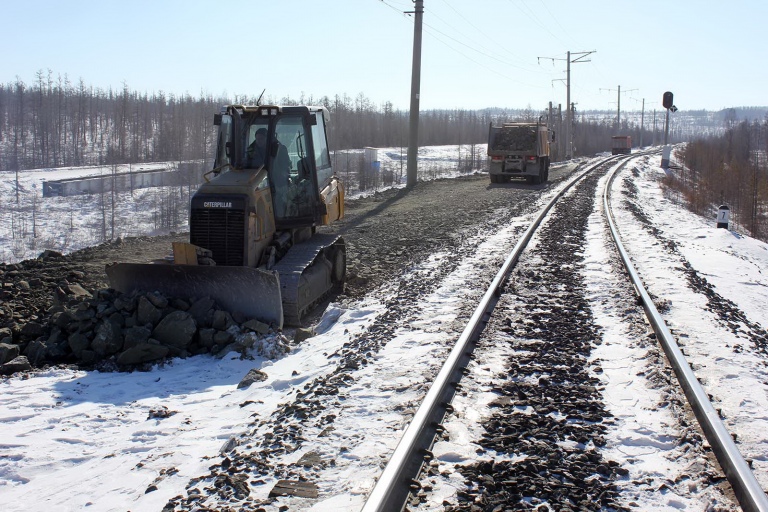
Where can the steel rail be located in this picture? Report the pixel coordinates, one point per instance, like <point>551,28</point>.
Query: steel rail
<point>748,492</point>
<point>398,478</point>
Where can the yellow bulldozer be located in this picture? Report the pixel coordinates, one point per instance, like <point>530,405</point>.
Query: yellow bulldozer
<point>253,241</point>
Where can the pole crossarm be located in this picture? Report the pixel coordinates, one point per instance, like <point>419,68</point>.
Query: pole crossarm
<point>569,117</point>
<point>569,59</point>
<point>618,101</point>
<point>582,55</point>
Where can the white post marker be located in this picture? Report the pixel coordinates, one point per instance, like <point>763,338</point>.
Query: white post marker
<point>722,216</point>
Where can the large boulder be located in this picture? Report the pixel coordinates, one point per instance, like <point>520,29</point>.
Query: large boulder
<point>222,320</point>
<point>32,330</point>
<point>142,353</point>
<point>8,352</point>
<point>77,343</point>
<point>147,313</point>
<point>202,310</point>
<point>135,336</point>
<point>18,364</point>
<point>108,339</point>
<point>176,330</point>
<point>36,352</point>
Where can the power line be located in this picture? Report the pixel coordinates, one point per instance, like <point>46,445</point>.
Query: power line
<point>474,49</point>
<point>535,19</point>
<point>397,9</point>
<point>484,33</point>
<point>618,111</point>
<point>492,70</point>
<point>553,17</point>
<point>433,31</point>
<point>451,42</point>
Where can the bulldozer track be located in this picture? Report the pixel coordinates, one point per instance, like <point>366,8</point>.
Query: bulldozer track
<point>299,296</point>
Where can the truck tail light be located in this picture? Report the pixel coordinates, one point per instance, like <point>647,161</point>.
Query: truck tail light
<point>497,158</point>
<point>531,158</point>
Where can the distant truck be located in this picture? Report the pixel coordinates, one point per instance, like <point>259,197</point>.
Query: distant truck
<point>621,145</point>
<point>519,150</point>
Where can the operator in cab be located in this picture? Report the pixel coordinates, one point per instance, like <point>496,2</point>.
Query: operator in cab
<point>257,150</point>
<point>258,155</point>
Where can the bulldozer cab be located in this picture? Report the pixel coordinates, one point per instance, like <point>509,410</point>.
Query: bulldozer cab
<point>290,143</point>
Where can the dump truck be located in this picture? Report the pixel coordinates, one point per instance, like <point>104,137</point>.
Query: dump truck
<point>254,244</point>
<point>621,145</point>
<point>519,150</point>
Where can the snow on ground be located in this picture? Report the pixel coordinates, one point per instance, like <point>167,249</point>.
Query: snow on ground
<point>645,435</point>
<point>729,367</point>
<point>75,439</point>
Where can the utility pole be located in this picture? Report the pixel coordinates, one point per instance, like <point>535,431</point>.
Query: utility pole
<point>413,143</point>
<point>569,118</point>
<point>560,138</point>
<point>549,116</point>
<point>642,118</point>
<point>618,102</point>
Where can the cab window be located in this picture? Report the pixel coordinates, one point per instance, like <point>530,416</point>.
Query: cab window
<point>322,158</point>
<point>224,142</point>
<point>291,172</point>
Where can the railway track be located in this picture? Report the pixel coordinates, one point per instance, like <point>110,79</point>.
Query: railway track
<point>380,423</point>
<point>540,447</point>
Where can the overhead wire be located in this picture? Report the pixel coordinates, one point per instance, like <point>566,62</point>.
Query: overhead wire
<point>450,42</point>
<point>483,51</point>
<point>485,54</point>
<point>398,9</point>
<point>554,18</point>
<point>492,70</point>
<point>484,33</point>
<point>532,15</point>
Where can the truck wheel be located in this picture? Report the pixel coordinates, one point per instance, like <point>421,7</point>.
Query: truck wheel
<point>536,180</point>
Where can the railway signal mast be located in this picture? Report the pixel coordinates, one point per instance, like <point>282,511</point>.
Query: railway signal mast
<point>667,103</point>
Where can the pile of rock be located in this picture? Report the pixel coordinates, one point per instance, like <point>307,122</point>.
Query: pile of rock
<point>129,330</point>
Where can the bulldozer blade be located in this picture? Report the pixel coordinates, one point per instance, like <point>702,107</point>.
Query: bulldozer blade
<point>251,291</point>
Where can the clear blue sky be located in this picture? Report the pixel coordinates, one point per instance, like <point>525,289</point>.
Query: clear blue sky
<point>476,53</point>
